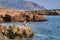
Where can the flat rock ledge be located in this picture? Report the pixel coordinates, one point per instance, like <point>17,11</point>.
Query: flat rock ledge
<point>15,32</point>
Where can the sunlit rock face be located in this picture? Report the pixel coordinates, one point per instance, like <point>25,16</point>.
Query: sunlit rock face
<point>15,32</point>
<point>20,4</point>
<point>11,15</point>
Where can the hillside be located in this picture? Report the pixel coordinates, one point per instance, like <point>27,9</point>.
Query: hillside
<point>21,5</point>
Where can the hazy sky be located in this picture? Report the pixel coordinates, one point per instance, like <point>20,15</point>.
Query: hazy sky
<point>48,4</point>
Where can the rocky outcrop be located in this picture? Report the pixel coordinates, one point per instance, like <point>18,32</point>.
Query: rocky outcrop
<point>10,15</point>
<point>47,12</point>
<point>15,32</point>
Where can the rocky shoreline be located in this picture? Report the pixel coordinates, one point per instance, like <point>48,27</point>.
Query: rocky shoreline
<point>47,12</point>
<point>10,15</point>
<point>15,32</point>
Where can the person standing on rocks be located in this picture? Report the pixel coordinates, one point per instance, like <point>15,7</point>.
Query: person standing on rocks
<point>25,23</point>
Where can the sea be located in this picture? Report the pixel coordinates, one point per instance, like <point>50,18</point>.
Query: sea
<point>47,30</point>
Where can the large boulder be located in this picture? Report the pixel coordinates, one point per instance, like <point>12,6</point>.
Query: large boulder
<point>15,32</point>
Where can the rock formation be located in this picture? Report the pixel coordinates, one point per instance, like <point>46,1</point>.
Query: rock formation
<point>47,12</point>
<point>10,15</point>
<point>15,32</point>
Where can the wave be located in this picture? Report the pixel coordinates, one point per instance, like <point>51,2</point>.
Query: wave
<point>45,36</point>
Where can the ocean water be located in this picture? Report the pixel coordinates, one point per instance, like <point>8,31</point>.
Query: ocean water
<point>48,30</point>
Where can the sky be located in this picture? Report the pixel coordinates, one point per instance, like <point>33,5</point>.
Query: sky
<point>48,4</point>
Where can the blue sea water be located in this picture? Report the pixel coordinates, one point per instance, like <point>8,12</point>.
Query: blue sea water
<point>48,30</point>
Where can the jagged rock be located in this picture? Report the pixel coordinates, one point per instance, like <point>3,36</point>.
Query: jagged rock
<point>1,20</point>
<point>15,32</point>
<point>10,15</point>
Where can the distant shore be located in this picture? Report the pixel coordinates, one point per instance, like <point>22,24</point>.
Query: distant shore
<point>48,12</point>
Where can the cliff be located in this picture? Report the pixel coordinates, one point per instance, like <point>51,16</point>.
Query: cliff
<point>15,32</point>
<point>12,15</point>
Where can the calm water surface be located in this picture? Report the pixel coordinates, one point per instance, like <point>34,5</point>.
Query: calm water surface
<point>49,30</point>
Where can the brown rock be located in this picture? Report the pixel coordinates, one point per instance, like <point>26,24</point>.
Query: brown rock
<point>10,15</point>
<point>1,20</point>
<point>15,32</point>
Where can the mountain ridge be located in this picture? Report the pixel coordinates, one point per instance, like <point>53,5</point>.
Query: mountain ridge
<point>21,4</point>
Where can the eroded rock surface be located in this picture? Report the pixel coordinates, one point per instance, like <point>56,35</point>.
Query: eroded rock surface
<point>15,32</point>
<point>10,15</point>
